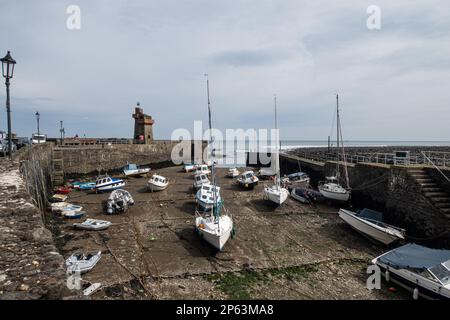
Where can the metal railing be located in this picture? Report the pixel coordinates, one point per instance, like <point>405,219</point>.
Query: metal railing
<point>435,158</point>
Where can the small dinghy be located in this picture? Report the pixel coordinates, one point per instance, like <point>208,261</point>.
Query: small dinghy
<point>205,197</point>
<point>106,183</point>
<point>119,201</point>
<point>202,169</point>
<point>306,196</point>
<point>63,190</point>
<point>370,223</point>
<point>423,271</point>
<point>295,180</point>
<point>92,224</point>
<point>200,180</point>
<point>82,263</point>
<point>157,183</point>
<point>248,180</point>
<point>57,206</point>
<point>132,170</point>
<point>73,214</point>
<point>86,186</point>
<point>233,173</point>
<point>58,198</point>
<point>91,289</point>
<point>188,167</point>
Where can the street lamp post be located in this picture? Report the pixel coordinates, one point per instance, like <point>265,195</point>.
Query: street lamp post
<point>8,64</point>
<point>38,117</point>
<point>61,131</point>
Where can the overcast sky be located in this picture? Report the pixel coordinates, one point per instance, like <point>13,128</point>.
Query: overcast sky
<point>394,83</point>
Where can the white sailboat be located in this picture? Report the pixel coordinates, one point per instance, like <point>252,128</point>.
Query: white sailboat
<point>276,193</point>
<point>214,226</point>
<point>331,189</point>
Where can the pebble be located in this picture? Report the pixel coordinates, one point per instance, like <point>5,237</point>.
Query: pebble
<point>24,287</point>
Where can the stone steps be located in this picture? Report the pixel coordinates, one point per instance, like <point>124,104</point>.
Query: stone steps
<point>432,191</point>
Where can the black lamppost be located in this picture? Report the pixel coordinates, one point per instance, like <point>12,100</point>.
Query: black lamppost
<point>61,130</point>
<point>38,117</point>
<point>8,71</point>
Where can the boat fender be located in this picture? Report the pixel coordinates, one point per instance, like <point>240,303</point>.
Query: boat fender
<point>387,275</point>
<point>233,233</point>
<point>416,293</point>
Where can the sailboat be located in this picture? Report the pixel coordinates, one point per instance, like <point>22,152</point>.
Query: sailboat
<point>214,226</point>
<point>276,193</point>
<point>331,189</point>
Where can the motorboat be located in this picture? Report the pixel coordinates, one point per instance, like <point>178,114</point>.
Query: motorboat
<point>200,180</point>
<point>421,270</point>
<point>233,173</point>
<point>79,262</point>
<point>370,224</point>
<point>202,169</point>
<point>208,196</point>
<point>70,209</point>
<point>306,196</point>
<point>92,224</point>
<point>157,183</point>
<point>248,180</point>
<point>297,179</point>
<point>119,201</point>
<point>132,170</point>
<point>106,183</point>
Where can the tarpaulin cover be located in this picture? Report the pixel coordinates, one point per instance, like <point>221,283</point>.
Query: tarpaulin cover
<point>370,214</point>
<point>413,256</point>
<point>297,175</point>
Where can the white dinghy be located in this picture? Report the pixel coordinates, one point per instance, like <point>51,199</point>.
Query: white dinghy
<point>132,170</point>
<point>370,223</point>
<point>157,183</point>
<point>82,263</point>
<point>214,226</point>
<point>233,173</point>
<point>276,193</point>
<point>422,270</point>
<point>93,224</point>
<point>331,189</point>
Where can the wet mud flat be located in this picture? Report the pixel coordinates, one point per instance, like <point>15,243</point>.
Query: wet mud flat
<point>295,251</point>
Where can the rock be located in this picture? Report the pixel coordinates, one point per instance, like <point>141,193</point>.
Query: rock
<point>24,287</point>
<point>2,277</point>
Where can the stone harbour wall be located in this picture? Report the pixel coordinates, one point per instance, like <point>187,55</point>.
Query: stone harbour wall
<point>389,189</point>
<point>30,265</point>
<point>94,159</point>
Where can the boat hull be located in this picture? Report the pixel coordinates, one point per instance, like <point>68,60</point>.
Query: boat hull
<point>276,196</point>
<point>155,187</point>
<point>337,196</point>
<point>216,238</point>
<point>409,281</point>
<point>368,229</point>
<point>250,185</point>
<point>135,173</point>
<point>110,187</point>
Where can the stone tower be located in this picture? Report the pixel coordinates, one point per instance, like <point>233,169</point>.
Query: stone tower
<point>143,126</point>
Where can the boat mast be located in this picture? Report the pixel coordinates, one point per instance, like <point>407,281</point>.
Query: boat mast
<point>337,138</point>
<point>277,143</point>
<point>210,143</point>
